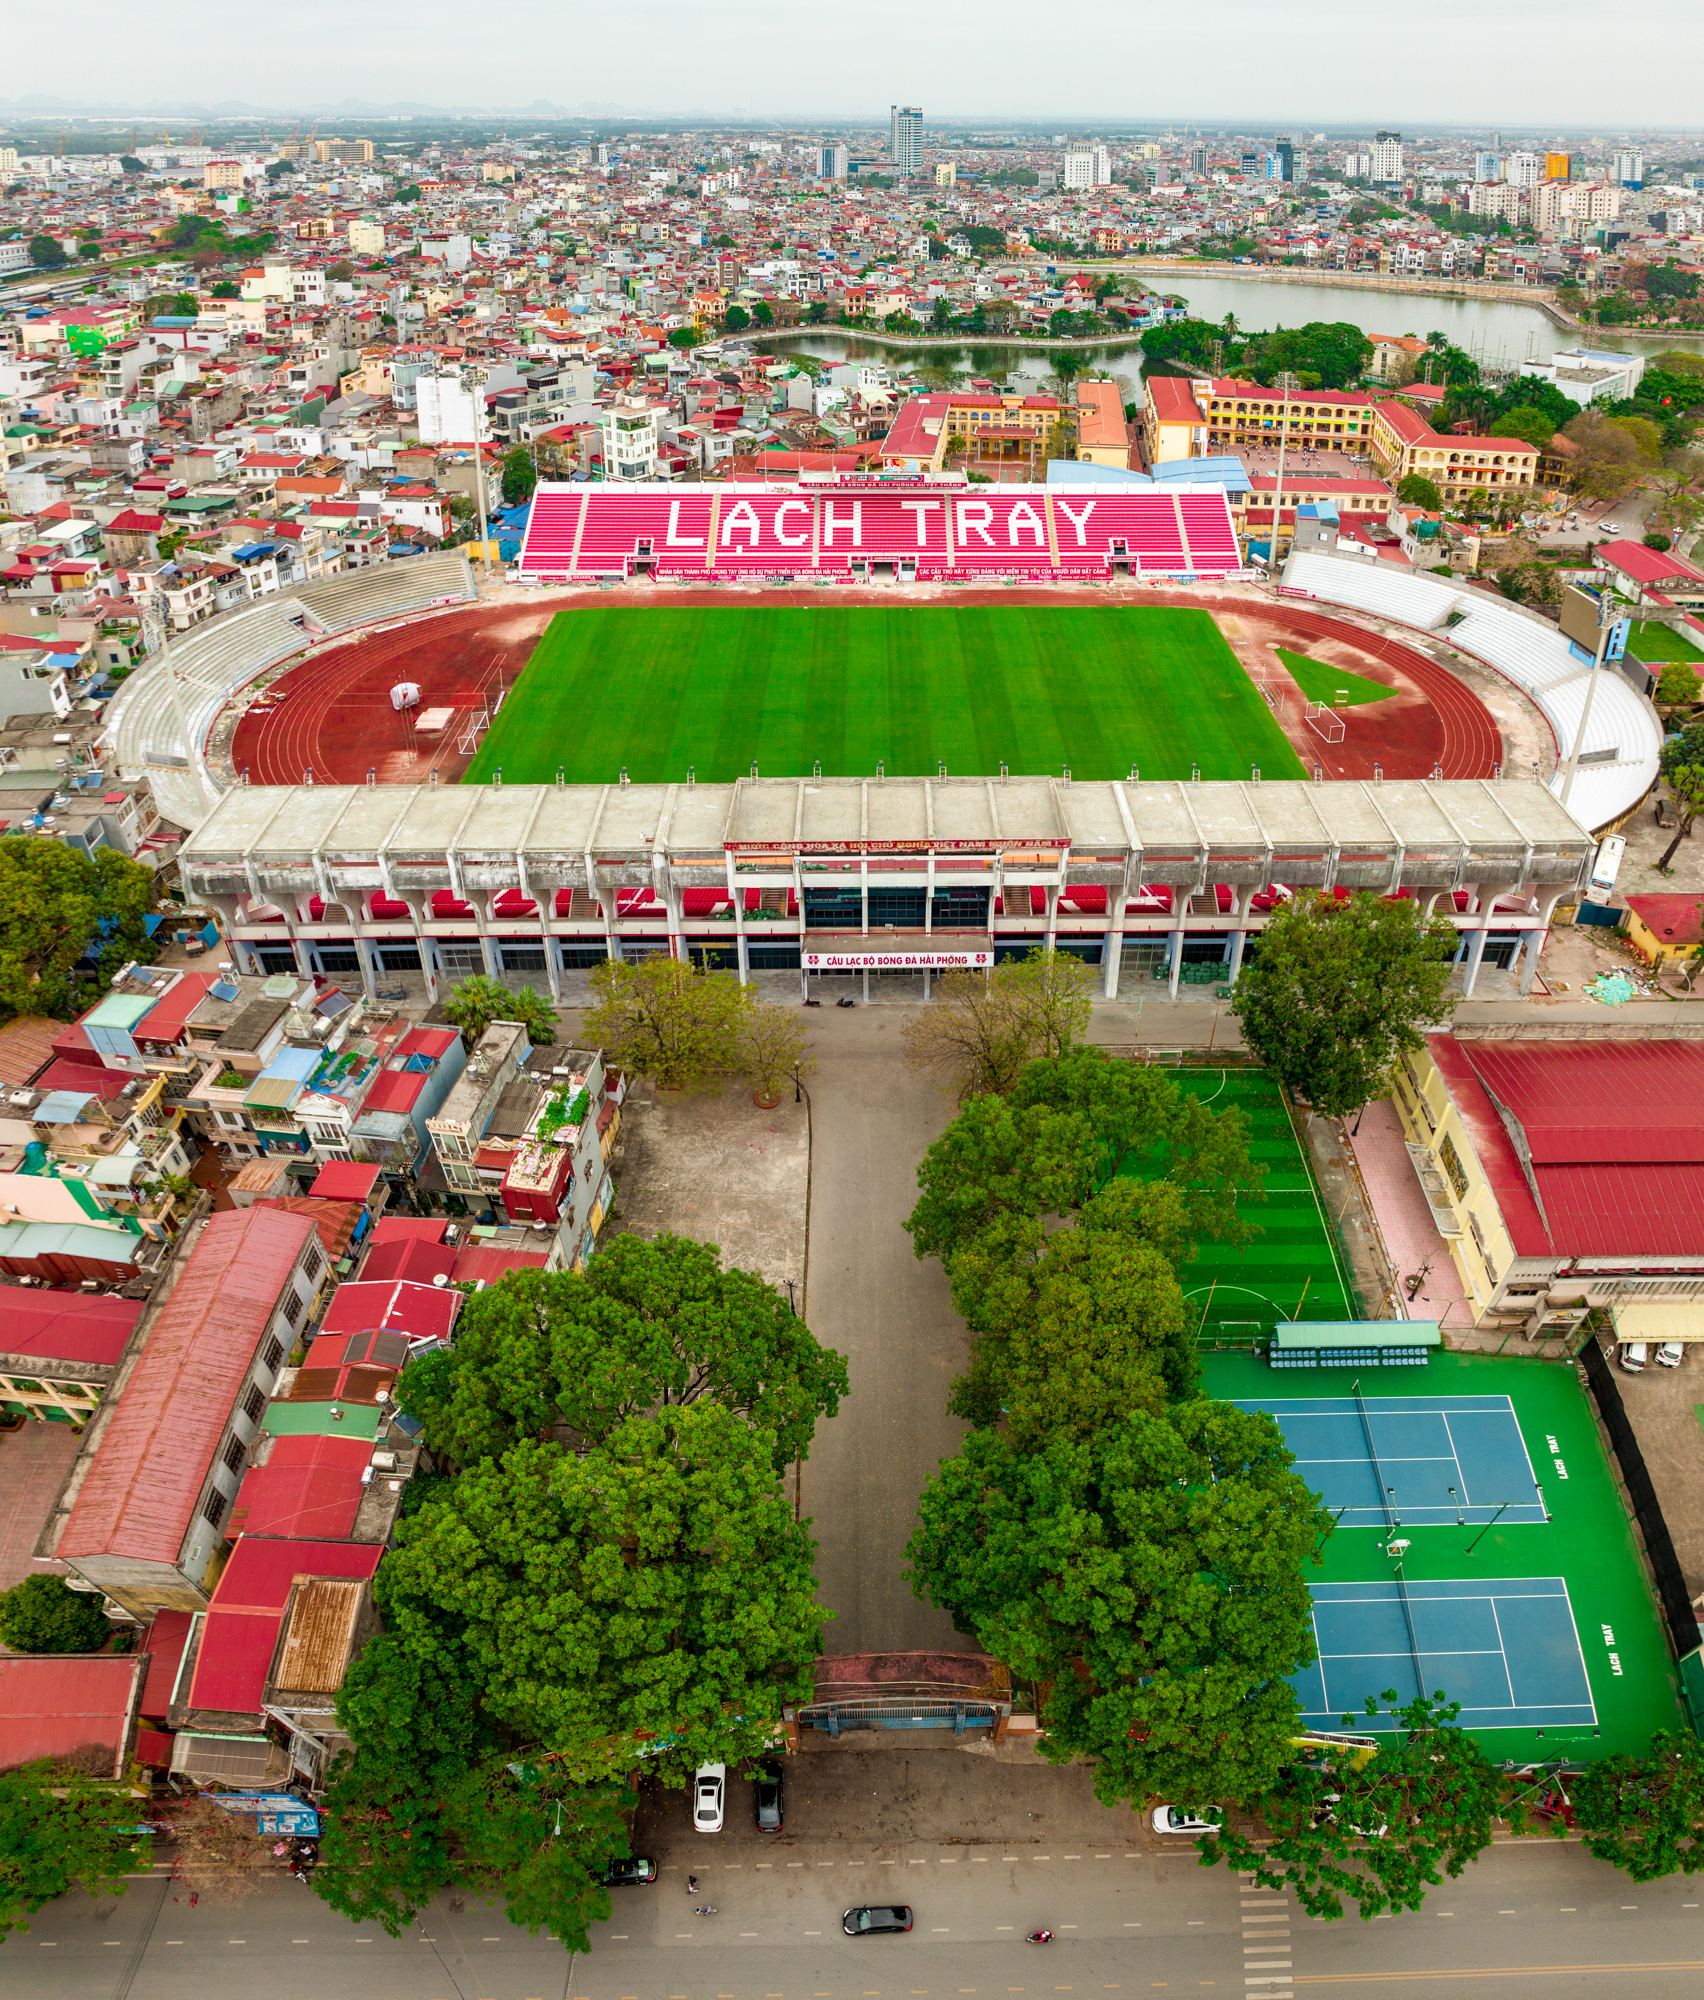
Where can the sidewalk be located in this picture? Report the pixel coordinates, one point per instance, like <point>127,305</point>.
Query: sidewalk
<point>1403,1215</point>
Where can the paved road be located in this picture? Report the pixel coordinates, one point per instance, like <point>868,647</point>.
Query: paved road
<point>1530,1919</point>
<point>893,1319</point>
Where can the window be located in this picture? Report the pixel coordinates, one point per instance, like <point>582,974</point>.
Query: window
<point>235,1453</point>
<point>312,1265</point>
<point>213,1509</point>
<point>293,1307</point>
<point>254,1405</point>
<point>273,1354</point>
<point>1453,1167</point>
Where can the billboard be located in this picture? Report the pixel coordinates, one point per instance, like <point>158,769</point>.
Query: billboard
<point>1580,617</point>
<point>920,959</point>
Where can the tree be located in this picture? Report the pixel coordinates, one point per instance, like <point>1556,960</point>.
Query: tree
<point>1686,788</point>
<point>475,1003</point>
<point>661,1018</point>
<point>47,253</point>
<point>1677,683</point>
<point>43,1614</point>
<point>1645,1814</point>
<point>56,908</point>
<point>129,164</point>
<point>57,1834</point>
<point>650,1590</point>
<point>1527,423</point>
<point>763,313</point>
<point>1339,990</point>
<point>685,338</point>
<point>1148,1581</point>
<point>276,169</point>
<point>736,319</point>
<point>1375,1831</point>
<point>520,475</point>
<point>981,1030</point>
<point>408,192</point>
<point>226,290</point>
<point>1606,457</point>
<point>774,1051</point>
<point>1415,490</point>
<point>340,272</point>
<point>644,1324</point>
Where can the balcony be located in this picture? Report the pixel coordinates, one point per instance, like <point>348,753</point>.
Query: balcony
<point>1436,1191</point>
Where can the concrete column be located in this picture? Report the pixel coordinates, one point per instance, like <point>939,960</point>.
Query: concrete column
<point>1052,917</point>
<point>422,944</point>
<point>1180,917</point>
<point>1532,943</point>
<point>367,952</point>
<point>677,922</point>
<point>1485,911</point>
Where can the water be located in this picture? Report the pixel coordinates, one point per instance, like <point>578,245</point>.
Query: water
<point>1498,334</point>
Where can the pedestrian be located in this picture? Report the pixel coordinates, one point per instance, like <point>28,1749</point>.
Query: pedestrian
<point>692,1885</point>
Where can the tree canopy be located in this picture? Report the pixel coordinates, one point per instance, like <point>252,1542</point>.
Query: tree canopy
<point>1148,1581</point>
<point>1646,1814</point>
<point>1377,1831</point>
<point>662,1018</point>
<point>1339,990</point>
<point>981,1031</point>
<point>473,1004</point>
<point>57,1834</point>
<point>1416,490</point>
<point>56,908</point>
<point>520,475</point>
<point>645,1324</point>
<point>47,253</point>
<point>43,1614</point>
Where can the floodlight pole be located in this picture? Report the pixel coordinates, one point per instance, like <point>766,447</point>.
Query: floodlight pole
<point>1605,623</point>
<point>1286,382</point>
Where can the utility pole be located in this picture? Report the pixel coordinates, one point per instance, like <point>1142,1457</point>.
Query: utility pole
<point>1286,383</point>
<point>1606,622</point>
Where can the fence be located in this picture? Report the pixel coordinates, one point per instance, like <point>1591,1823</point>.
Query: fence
<point>1647,1509</point>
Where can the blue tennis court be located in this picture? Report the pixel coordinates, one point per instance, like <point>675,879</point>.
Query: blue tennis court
<point>1410,1461</point>
<point>1506,1648</point>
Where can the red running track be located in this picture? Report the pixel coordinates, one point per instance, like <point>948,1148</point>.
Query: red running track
<point>336,719</point>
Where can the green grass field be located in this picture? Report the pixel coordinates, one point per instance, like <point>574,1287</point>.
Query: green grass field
<point>1588,1542</point>
<point>1030,687</point>
<point>1320,682</point>
<point>1661,642</point>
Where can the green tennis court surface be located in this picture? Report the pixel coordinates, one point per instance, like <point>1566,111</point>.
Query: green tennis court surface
<point>1028,686</point>
<point>1583,1669</point>
<point>1291,1270</point>
<point>1335,686</point>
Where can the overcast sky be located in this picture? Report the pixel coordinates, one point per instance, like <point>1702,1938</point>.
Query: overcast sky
<point>1569,64</point>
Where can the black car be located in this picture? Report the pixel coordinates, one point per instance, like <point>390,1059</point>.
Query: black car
<point>766,1790</point>
<point>876,1917</point>
<point>628,1874</point>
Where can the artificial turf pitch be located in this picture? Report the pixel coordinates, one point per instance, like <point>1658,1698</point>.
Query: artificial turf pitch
<point>913,687</point>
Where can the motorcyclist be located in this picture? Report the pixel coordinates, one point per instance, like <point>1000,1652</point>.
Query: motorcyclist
<point>1040,1937</point>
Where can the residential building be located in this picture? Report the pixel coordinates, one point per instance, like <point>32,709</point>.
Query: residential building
<point>1087,164</point>
<point>59,1351</point>
<point>1558,166</point>
<point>1102,436</point>
<point>1523,170</point>
<point>833,162</point>
<point>460,1123</point>
<point>630,440</point>
<point>1173,423</point>
<point>1629,169</point>
<point>905,140</point>
<point>946,174</point>
<point>1245,413</point>
<point>1403,443</point>
<point>1650,576</point>
<point>1385,159</point>
<point>995,435</point>
<point>367,236</point>
<point>1487,166</point>
<point>1585,375</point>
<point>149,1496</point>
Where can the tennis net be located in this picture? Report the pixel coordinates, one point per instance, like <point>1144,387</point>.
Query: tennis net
<point>1373,1454</point>
<point>1413,1639</point>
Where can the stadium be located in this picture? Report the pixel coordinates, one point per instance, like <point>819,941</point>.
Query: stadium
<point>922,641</point>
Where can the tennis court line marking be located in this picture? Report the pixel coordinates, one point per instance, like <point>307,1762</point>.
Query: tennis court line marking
<point>1502,1647</point>
<point>1456,1455</point>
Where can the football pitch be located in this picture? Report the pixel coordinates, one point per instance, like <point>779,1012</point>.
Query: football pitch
<point>914,687</point>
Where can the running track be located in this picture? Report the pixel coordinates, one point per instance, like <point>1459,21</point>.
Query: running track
<point>336,718</point>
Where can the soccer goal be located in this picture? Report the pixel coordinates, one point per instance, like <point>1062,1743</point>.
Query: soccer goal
<point>1323,722</point>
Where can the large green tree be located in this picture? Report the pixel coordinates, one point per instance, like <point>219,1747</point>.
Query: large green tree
<point>981,1031</point>
<point>1149,1582</point>
<point>651,1592</point>
<point>43,1614</point>
<point>1340,990</point>
<point>644,1324</point>
<point>1378,1830</point>
<point>1646,1814</point>
<point>47,253</point>
<point>662,1018</point>
<point>56,906</point>
<point>473,1004</point>
<point>58,1833</point>
<point>520,475</point>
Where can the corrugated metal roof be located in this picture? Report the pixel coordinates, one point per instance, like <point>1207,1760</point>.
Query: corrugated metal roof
<point>68,1705</point>
<point>345,1180</point>
<point>316,1420</point>
<point>163,1650</point>
<point>395,1306</point>
<point>277,1091</point>
<point>399,1228</point>
<point>67,1326</point>
<point>140,1494</point>
<point>1600,1101</point>
<point>415,1260</point>
<point>318,1636</point>
<point>241,1632</point>
<point>308,1486</point>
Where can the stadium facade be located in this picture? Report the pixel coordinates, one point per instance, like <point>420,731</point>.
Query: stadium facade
<point>1150,882</point>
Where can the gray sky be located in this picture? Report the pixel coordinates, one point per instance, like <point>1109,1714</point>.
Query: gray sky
<point>1457,62</point>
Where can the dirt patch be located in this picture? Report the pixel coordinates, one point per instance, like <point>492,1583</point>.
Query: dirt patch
<point>720,1170</point>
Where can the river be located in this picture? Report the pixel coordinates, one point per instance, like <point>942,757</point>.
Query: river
<point>1497,334</point>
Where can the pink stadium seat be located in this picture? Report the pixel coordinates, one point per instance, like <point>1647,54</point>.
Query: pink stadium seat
<point>445,905</point>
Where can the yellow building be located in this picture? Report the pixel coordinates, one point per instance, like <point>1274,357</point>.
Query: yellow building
<point>1245,413</point>
<point>1404,443</point>
<point>946,174</point>
<point>1558,166</point>
<point>1173,424</point>
<point>222,174</point>
<point>1102,438</point>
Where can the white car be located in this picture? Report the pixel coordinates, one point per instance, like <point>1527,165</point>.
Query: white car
<point>1671,1354</point>
<point>1187,1819</point>
<point>1634,1354</point>
<point>709,1789</point>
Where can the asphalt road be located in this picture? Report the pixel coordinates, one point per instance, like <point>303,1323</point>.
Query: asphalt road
<point>891,1316</point>
<point>1534,1918</point>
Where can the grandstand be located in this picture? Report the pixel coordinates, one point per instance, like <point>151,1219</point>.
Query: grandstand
<point>1618,761</point>
<point>215,659</point>
<point>939,531</point>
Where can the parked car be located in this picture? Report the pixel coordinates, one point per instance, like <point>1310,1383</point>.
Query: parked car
<point>870,1917</point>
<point>629,1874</point>
<point>1633,1355</point>
<point>709,1789</point>
<point>766,1792</point>
<point>1187,1819</point>
<point>1672,1353</point>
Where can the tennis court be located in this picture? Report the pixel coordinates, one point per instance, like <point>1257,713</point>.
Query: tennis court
<point>1507,1649</point>
<point>1411,1461</point>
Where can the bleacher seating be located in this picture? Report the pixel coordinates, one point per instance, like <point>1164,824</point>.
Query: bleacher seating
<point>386,590</point>
<point>1623,734</point>
<point>740,529</point>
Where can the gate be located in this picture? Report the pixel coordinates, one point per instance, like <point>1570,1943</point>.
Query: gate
<point>899,1712</point>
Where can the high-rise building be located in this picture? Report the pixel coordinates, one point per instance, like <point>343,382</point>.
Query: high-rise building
<point>1487,167</point>
<point>1358,166</point>
<point>1087,164</point>
<point>905,140</point>
<point>1250,163</point>
<point>1523,170</point>
<point>1385,158</point>
<point>1285,147</point>
<point>1630,169</point>
<point>1198,159</point>
<point>946,173</point>
<point>1558,166</point>
<point>833,162</point>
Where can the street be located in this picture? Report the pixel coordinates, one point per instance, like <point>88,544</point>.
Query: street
<point>1531,1917</point>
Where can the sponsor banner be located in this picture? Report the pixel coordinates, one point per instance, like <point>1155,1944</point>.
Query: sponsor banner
<point>920,959</point>
<point>1017,847</point>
